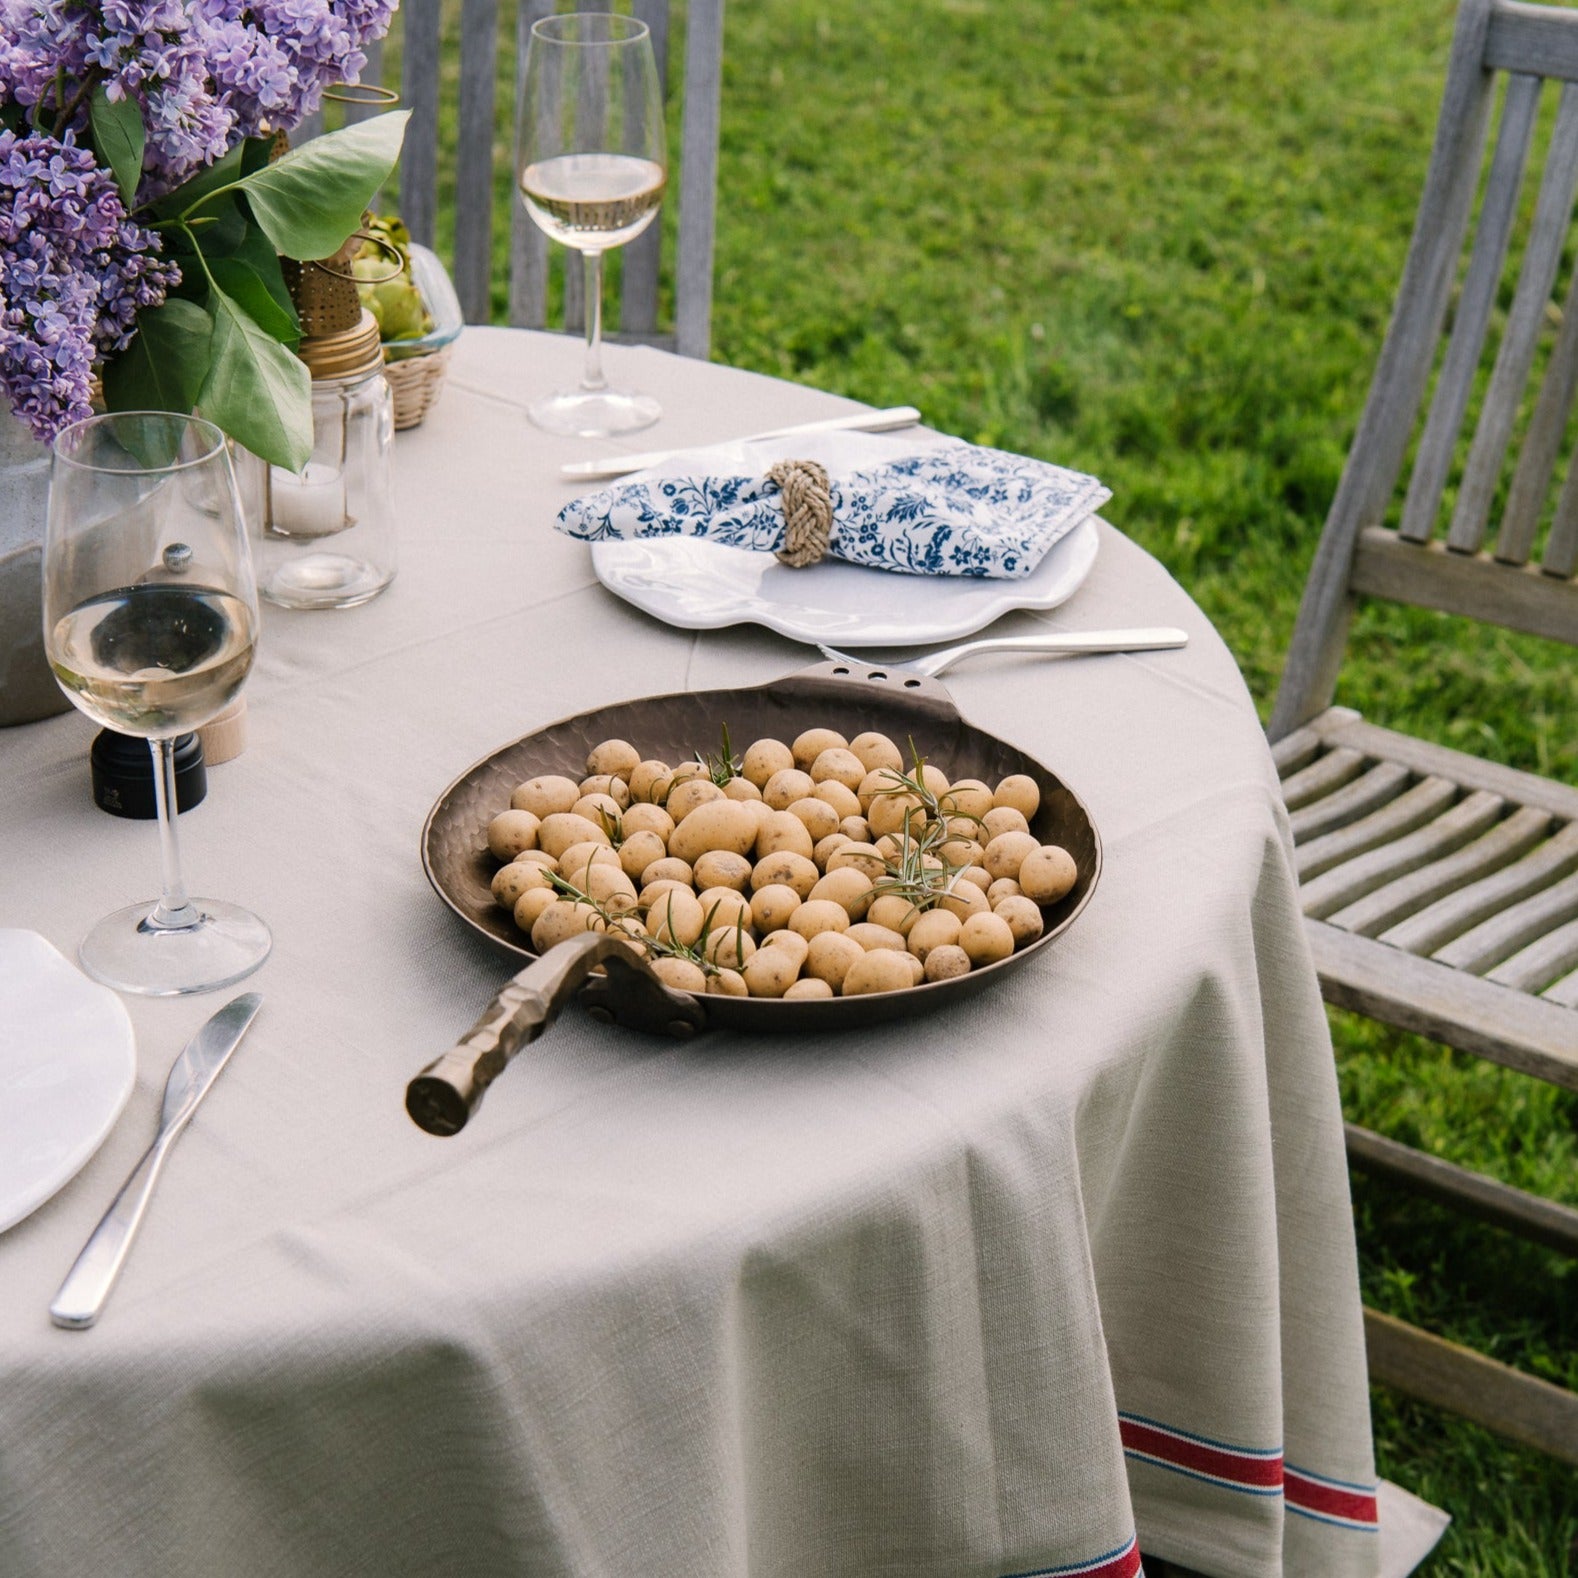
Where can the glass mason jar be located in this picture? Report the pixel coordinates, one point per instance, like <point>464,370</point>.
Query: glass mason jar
<point>326,536</point>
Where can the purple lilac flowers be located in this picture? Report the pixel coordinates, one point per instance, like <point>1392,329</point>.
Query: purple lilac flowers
<point>73,272</point>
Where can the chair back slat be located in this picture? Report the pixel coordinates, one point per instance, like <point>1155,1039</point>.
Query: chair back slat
<point>1525,322</point>
<point>420,50</point>
<point>638,302</point>
<point>1531,38</point>
<point>473,270</point>
<point>373,71</point>
<point>1437,447</point>
<point>1561,548</point>
<point>698,177</point>
<point>528,299</point>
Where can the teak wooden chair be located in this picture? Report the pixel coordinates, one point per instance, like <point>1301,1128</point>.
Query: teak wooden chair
<point>1440,891</point>
<point>482,151</point>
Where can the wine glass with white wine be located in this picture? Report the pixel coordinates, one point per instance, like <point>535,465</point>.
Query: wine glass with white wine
<point>150,621</point>
<point>592,172</point>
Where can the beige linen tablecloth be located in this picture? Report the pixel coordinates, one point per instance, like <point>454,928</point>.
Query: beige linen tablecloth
<point>991,1293</point>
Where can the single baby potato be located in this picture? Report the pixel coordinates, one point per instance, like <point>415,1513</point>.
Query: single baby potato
<point>876,782</point>
<point>560,921</point>
<point>785,787</point>
<point>675,916</point>
<point>645,818</point>
<point>960,851</point>
<point>943,964</point>
<point>639,851</point>
<point>722,868</point>
<point>964,899</point>
<point>716,824</point>
<point>538,857</point>
<point>895,912</point>
<point>613,756</point>
<point>771,906</point>
<point>1002,819</point>
<point>561,830</point>
<point>606,884</point>
<point>986,938</point>
<point>808,746</point>
<point>770,972</point>
<point>969,797</point>
<point>1005,854</point>
<point>791,942</point>
<point>809,987</point>
<point>793,870</point>
<point>846,886</point>
<point>830,956</point>
<point>688,770</point>
<point>843,799</point>
<point>1023,916</point>
<point>725,907</point>
<point>530,905</point>
<point>741,789</point>
<point>727,983</point>
<point>609,784</point>
<point>856,828</point>
<point>878,971</point>
<point>1002,888</point>
<point>873,937</point>
<point>668,869</point>
<point>650,781</point>
<point>876,751</point>
<point>1019,792</point>
<point>827,847</point>
<point>729,947</point>
<point>546,795</point>
<point>865,859</point>
<point>838,765</point>
<point>934,929</point>
<point>783,830</point>
<point>819,817</point>
<point>887,846</point>
<point>935,779</point>
<point>917,971</point>
<point>818,915</point>
<point>578,858</point>
<point>519,877</point>
<point>765,758</point>
<point>889,812</point>
<point>981,877</point>
<point>512,832</point>
<point>603,809</point>
<point>681,974</point>
<point>685,797</point>
<point>1047,874</point>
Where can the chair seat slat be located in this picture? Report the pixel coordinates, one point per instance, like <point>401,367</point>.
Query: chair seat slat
<point>1321,776</point>
<point>1411,810</point>
<point>1542,963</point>
<point>1340,885</point>
<point>1498,938</point>
<point>1472,317</point>
<point>1368,792</point>
<point>1564,992</point>
<point>1406,895</point>
<point>1295,751</point>
<point>1525,321</point>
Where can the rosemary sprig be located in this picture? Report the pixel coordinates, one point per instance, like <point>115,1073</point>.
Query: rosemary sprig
<point>723,766</point>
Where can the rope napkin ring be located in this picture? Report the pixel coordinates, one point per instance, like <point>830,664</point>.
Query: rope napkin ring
<point>808,511</point>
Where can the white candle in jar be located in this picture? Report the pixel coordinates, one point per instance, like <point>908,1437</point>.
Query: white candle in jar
<point>311,504</point>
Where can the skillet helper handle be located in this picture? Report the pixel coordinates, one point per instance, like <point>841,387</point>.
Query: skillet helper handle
<point>450,1089</point>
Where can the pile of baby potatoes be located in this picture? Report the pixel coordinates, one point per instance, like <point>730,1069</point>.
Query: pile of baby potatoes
<point>817,868</point>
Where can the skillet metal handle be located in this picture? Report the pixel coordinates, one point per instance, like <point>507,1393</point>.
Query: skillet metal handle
<point>450,1089</point>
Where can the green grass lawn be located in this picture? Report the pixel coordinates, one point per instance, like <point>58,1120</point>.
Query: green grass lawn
<point>1159,242</point>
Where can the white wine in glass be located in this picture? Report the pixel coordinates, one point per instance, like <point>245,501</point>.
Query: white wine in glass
<point>592,174</point>
<point>150,623</point>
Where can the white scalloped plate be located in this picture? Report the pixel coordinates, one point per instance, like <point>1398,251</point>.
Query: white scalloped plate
<point>68,1060</point>
<point>699,585</point>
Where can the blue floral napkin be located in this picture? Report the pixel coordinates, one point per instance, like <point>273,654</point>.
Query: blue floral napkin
<point>947,508</point>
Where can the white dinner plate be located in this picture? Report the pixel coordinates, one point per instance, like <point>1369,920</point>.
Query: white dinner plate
<point>68,1060</point>
<point>700,585</point>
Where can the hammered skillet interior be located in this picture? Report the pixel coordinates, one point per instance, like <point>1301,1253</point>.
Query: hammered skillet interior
<point>675,727</point>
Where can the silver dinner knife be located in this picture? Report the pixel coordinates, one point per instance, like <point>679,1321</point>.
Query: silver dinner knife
<point>89,1281</point>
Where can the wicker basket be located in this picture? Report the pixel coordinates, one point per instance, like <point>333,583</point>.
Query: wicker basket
<point>416,382</point>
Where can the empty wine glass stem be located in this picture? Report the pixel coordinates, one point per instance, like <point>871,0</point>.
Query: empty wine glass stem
<point>174,911</point>
<point>592,380</point>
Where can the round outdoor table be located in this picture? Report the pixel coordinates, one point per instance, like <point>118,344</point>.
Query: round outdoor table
<point>1025,1286</point>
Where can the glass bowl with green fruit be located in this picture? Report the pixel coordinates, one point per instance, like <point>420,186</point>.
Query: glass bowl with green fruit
<point>416,307</point>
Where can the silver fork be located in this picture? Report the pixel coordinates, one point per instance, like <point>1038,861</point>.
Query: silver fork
<point>931,664</point>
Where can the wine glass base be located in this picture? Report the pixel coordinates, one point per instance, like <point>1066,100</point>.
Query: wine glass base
<point>599,413</point>
<point>227,944</point>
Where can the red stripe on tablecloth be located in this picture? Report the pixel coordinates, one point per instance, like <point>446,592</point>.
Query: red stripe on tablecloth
<point>1239,1468</point>
<point>1334,1501</point>
<point>1121,1564</point>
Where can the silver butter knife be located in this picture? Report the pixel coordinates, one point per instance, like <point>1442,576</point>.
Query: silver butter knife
<point>932,664</point>
<point>89,1281</point>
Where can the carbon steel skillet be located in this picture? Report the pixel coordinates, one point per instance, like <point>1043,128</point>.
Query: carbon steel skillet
<point>849,697</point>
